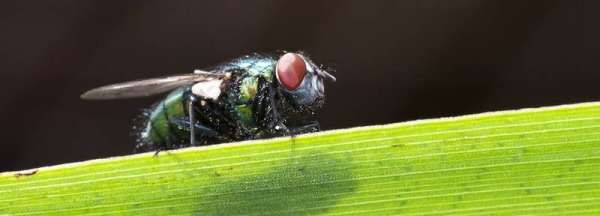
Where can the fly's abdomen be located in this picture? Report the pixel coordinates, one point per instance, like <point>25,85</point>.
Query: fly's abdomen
<point>160,132</point>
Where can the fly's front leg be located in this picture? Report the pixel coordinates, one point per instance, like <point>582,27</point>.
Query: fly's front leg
<point>268,114</point>
<point>279,121</point>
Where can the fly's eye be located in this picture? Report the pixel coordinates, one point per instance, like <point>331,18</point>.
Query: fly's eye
<point>291,70</point>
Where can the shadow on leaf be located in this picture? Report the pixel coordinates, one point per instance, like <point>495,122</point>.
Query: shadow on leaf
<point>302,186</point>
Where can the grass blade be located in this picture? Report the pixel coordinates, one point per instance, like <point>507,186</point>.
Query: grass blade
<point>540,161</point>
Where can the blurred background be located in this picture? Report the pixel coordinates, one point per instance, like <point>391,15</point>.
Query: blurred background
<point>395,60</point>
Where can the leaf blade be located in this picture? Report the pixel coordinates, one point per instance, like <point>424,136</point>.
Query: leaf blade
<point>531,161</point>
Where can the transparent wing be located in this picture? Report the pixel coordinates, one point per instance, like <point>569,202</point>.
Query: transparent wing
<point>147,87</point>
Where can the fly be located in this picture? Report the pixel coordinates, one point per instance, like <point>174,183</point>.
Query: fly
<point>251,97</point>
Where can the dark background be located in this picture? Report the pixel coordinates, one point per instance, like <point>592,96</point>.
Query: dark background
<point>395,60</point>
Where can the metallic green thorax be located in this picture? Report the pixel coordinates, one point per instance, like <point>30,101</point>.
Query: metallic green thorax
<point>248,87</point>
<point>236,103</point>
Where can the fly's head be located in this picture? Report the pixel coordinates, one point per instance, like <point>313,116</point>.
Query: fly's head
<point>301,83</point>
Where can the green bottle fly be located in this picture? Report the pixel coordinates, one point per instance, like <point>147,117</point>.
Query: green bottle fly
<point>251,97</point>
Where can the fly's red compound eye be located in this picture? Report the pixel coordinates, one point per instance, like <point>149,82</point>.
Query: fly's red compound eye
<point>291,70</point>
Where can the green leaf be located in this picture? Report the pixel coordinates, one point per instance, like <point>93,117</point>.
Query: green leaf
<point>541,161</point>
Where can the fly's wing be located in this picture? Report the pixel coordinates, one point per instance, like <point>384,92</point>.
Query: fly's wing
<point>147,87</point>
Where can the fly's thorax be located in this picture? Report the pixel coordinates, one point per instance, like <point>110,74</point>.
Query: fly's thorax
<point>243,88</point>
<point>253,65</point>
<point>248,88</point>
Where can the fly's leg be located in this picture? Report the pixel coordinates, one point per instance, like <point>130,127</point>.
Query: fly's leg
<point>217,123</point>
<point>276,115</point>
<point>192,121</point>
<point>197,129</point>
<point>204,130</point>
<point>266,104</point>
<point>218,117</point>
